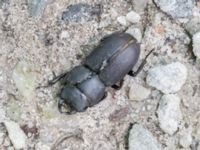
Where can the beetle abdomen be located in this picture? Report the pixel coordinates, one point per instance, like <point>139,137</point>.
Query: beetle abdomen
<point>106,49</point>
<point>120,64</point>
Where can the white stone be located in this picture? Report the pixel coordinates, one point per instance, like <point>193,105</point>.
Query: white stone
<point>64,34</point>
<point>169,78</point>
<point>16,135</point>
<point>138,92</point>
<point>142,139</point>
<point>186,138</point>
<point>25,79</point>
<point>169,113</point>
<point>122,20</point>
<point>136,33</point>
<point>133,17</point>
<point>196,44</point>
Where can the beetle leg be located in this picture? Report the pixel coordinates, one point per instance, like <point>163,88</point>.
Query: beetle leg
<point>134,74</point>
<point>62,104</point>
<point>118,87</point>
<point>56,78</point>
<point>105,95</point>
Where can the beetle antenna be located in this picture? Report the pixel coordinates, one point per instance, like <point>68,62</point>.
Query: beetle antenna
<point>54,80</point>
<point>134,74</point>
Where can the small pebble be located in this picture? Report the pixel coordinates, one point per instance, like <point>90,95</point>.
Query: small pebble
<point>138,92</point>
<point>176,8</point>
<point>196,44</point>
<point>168,78</point>
<point>81,12</point>
<point>193,25</point>
<point>16,135</point>
<point>133,17</point>
<point>169,113</point>
<point>37,7</point>
<point>186,138</point>
<point>141,138</point>
<point>25,79</point>
<point>64,35</point>
<point>136,33</point>
<point>122,20</point>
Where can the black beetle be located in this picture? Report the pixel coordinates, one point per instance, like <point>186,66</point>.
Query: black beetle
<point>84,86</point>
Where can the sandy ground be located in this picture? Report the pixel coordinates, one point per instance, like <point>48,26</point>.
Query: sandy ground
<point>42,45</point>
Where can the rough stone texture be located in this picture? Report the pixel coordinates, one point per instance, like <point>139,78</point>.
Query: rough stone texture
<point>176,8</point>
<point>52,44</point>
<point>138,92</point>
<point>122,20</point>
<point>136,33</point>
<point>186,137</point>
<point>196,44</point>
<point>80,12</point>
<point>133,17</point>
<point>25,79</point>
<point>193,25</point>
<point>169,113</point>
<point>16,135</point>
<point>142,139</point>
<point>169,78</point>
<point>37,7</point>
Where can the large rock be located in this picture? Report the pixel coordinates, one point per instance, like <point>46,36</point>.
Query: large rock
<point>169,78</point>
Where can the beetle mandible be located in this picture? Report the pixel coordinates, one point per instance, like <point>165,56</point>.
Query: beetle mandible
<point>85,85</point>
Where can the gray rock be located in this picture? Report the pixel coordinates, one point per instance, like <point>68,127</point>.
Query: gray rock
<point>37,7</point>
<point>193,25</point>
<point>138,92</point>
<point>176,8</point>
<point>139,5</point>
<point>142,139</point>
<point>196,44</point>
<point>169,78</point>
<point>81,12</point>
<point>3,2</point>
<point>16,135</point>
<point>169,113</point>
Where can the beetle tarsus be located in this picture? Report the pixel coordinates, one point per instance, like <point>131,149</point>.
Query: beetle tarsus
<point>118,86</point>
<point>134,74</point>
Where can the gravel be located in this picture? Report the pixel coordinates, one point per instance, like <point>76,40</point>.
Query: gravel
<point>169,113</point>
<point>141,138</point>
<point>167,78</point>
<point>80,12</point>
<point>133,17</point>
<point>138,92</point>
<point>136,33</point>
<point>122,20</point>
<point>196,44</point>
<point>176,8</point>
<point>34,41</point>
<point>16,135</point>
<point>37,7</point>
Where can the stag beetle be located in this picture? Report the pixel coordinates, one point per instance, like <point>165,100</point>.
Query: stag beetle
<point>84,86</point>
